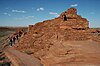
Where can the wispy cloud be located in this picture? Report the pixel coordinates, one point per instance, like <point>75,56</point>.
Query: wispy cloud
<point>54,13</point>
<point>92,13</point>
<point>26,17</point>
<point>7,14</point>
<point>19,11</point>
<point>8,8</point>
<point>74,5</point>
<point>29,17</point>
<point>40,9</point>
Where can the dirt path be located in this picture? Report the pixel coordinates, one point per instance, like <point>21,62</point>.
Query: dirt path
<point>20,59</point>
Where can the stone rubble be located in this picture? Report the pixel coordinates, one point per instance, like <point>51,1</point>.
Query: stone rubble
<point>42,36</point>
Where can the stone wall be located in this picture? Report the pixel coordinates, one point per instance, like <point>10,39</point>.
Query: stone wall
<point>68,19</point>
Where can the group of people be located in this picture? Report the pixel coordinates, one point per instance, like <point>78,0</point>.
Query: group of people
<point>12,39</point>
<point>15,37</point>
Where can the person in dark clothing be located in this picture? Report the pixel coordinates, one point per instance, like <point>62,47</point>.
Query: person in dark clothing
<point>20,33</point>
<point>10,41</point>
<point>17,36</point>
<point>14,39</point>
<point>64,18</point>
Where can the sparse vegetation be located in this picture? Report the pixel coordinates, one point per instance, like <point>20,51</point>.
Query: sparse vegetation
<point>4,34</point>
<point>28,51</point>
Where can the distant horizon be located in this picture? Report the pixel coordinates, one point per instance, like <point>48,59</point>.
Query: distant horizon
<point>34,24</point>
<point>13,26</point>
<point>30,12</point>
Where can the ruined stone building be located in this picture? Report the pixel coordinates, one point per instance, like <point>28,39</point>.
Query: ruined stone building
<point>67,20</point>
<point>44,37</point>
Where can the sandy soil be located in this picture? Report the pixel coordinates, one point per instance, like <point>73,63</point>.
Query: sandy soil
<point>73,53</point>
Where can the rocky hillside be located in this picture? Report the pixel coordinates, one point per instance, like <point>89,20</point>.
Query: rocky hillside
<point>43,37</point>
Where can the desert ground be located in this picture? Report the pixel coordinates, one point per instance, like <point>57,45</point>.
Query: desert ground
<point>4,41</point>
<point>69,53</point>
<point>63,41</point>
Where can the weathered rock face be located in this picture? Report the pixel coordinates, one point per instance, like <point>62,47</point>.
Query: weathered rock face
<point>47,36</point>
<point>70,13</point>
<point>71,19</point>
<point>42,34</point>
<point>67,20</point>
<point>4,61</point>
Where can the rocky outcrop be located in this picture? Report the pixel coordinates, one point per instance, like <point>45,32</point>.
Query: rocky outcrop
<point>4,61</point>
<point>68,19</point>
<point>43,36</point>
<point>71,19</point>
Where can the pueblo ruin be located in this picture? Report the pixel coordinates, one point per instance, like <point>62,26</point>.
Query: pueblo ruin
<point>47,40</point>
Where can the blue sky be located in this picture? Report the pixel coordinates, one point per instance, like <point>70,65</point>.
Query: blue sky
<point>26,12</point>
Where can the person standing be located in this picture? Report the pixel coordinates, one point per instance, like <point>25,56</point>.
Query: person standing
<point>14,39</point>
<point>10,41</point>
<point>17,36</point>
<point>64,18</point>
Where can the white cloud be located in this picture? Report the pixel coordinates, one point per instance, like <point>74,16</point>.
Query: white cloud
<point>74,5</point>
<point>29,17</point>
<point>54,13</point>
<point>7,14</point>
<point>40,9</point>
<point>18,11</point>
